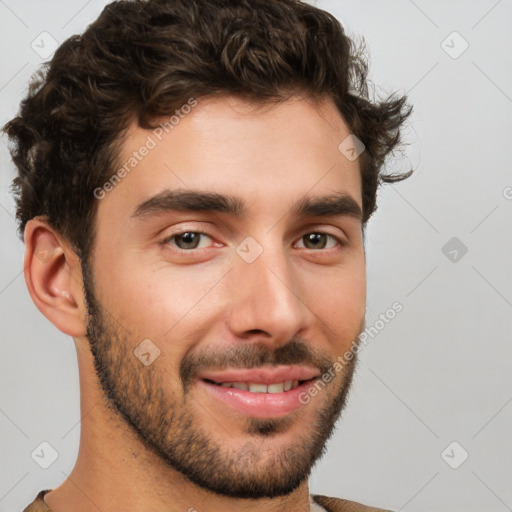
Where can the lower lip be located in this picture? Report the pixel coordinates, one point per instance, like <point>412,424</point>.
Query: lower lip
<point>260,405</point>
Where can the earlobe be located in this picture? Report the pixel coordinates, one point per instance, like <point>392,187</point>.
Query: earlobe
<point>54,279</point>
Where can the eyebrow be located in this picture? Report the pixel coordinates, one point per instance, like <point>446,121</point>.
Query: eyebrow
<point>339,204</point>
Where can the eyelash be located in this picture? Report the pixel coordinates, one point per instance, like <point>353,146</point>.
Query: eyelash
<point>340,243</point>
<point>166,240</point>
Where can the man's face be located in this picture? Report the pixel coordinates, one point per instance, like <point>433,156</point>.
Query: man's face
<point>266,294</point>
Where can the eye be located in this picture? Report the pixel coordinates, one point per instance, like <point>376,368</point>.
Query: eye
<point>187,240</point>
<point>319,240</point>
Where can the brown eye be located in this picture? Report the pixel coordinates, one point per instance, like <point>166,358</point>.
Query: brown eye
<point>318,240</point>
<point>187,240</point>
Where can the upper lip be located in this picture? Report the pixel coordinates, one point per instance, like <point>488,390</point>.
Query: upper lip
<point>261,375</point>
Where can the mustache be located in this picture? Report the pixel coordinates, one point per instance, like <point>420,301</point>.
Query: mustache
<point>252,355</point>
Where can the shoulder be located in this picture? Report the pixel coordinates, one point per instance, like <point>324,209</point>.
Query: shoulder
<point>38,505</point>
<point>340,505</point>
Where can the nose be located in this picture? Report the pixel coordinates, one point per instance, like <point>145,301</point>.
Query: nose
<point>267,299</point>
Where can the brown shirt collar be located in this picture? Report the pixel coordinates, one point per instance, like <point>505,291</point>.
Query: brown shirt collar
<point>329,504</point>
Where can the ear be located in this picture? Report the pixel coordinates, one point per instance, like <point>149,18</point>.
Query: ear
<point>54,278</point>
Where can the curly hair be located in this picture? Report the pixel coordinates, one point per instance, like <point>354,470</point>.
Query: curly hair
<point>140,60</point>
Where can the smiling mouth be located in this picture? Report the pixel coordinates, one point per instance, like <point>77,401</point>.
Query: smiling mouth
<point>259,393</point>
<point>256,387</point>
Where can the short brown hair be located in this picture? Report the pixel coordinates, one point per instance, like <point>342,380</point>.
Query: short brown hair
<point>141,60</point>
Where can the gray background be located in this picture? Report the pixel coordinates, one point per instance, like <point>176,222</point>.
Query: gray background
<point>439,372</point>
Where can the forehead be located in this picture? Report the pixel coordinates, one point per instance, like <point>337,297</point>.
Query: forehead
<point>263,152</point>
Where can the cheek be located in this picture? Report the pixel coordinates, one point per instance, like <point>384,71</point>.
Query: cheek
<point>339,300</point>
<point>157,301</point>
<point>346,307</point>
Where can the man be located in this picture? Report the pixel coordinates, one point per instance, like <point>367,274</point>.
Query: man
<point>194,179</point>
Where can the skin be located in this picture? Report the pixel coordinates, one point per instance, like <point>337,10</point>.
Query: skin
<point>207,308</point>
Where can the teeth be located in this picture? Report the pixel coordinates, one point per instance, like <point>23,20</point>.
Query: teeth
<point>255,387</point>
<point>275,388</point>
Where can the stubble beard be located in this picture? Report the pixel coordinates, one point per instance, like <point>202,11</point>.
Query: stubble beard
<point>169,427</point>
